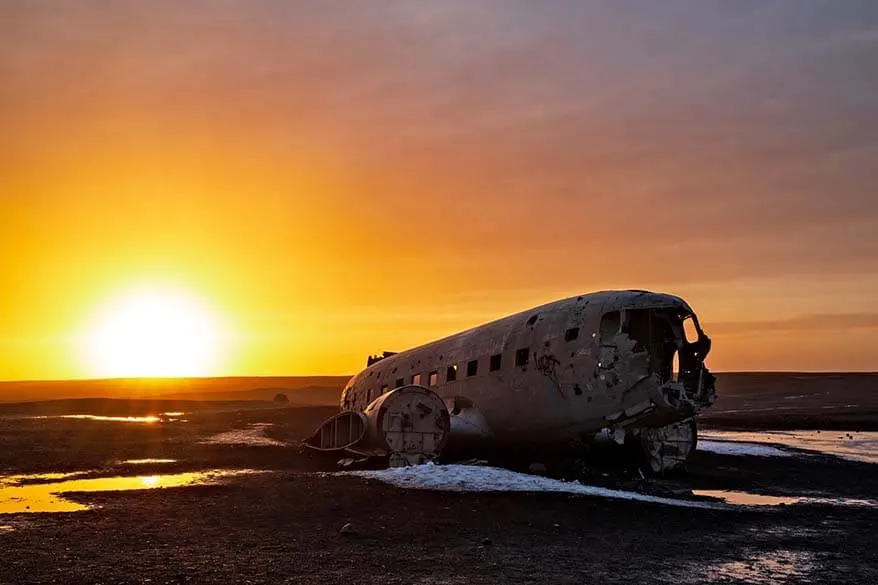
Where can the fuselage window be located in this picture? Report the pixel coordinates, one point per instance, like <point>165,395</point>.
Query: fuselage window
<point>451,373</point>
<point>610,325</point>
<point>416,379</point>
<point>495,362</point>
<point>571,334</point>
<point>384,389</point>
<point>433,378</point>
<point>400,382</point>
<point>472,368</point>
<point>522,356</point>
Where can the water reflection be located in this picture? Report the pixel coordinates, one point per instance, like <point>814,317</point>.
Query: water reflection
<point>134,419</point>
<point>164,417</point>
<point>747,499</point>
<point>852,445</point>
<point>762,568</point>
<point>20,494</point>
<point>751,499</point>
<point>147,461</point>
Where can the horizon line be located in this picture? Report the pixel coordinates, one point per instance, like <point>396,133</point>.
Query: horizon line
<point>275,376</point>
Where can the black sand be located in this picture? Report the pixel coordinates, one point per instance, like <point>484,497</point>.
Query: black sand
<point>283,527</point>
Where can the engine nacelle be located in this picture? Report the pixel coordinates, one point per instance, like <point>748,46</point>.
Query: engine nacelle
<point>409,425</point>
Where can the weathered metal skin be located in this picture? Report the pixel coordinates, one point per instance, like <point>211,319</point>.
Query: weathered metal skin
<point>567,370</point>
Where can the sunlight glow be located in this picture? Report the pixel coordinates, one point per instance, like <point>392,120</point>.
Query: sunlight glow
<point>156,333</point>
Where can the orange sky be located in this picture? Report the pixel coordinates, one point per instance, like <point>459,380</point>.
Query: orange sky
<point>334,183</point>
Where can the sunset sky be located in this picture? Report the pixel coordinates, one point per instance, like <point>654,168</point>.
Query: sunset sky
<point>325,180</point>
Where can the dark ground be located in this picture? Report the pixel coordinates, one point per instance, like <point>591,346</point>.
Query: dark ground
<point>283,527</point>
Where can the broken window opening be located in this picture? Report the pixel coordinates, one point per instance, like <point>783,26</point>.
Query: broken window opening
<point>433,378</point>
<point>416,379</point>
<point>472,368</point>
<point>495,362</point>
<point>657,332</point>
<point>532,320</point>
<point>571,334</point>
<point>368,396</point>
<point>610,325</point>
<point>690,331</point>
<point>522,356</point>
<point>400,382</point>
<point>384,389</point>
<point>451,373</point>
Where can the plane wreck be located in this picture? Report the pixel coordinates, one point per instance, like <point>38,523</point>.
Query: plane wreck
<point>624,367</point>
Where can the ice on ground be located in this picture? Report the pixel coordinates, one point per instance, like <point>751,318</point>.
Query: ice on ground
<point>253,435</point>
<point>850,445</point>
<point>470,478</point>
<point>736,448</point>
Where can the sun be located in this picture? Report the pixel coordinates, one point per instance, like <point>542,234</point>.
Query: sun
<point>154,333</point>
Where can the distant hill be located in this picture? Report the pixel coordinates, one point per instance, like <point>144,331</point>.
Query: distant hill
<point>301,390</point>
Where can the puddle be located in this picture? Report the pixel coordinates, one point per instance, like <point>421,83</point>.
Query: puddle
<point>253,435</point>
<point>165,417</point>
<point>850,445</point>
<point>750,499</point>
<point>746,498</point>
<point>146,461</point>
<point>44,493</point>
<point>758,568</point>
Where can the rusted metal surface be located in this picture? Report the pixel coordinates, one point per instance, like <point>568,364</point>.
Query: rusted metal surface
<point>559,373</point>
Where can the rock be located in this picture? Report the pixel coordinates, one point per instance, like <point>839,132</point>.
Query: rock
<point>537,468</point>
<point>347,530</point>
<point>281,397</point>
<point>487,542</point>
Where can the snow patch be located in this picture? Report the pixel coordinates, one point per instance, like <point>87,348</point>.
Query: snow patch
<point>737,448</point>
<point>253,436</point>
<point>469,478</point>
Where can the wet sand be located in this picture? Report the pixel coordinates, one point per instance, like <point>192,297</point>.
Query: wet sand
<point>284,525</point>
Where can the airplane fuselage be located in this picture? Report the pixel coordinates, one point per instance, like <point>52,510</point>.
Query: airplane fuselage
<point>558,372</point>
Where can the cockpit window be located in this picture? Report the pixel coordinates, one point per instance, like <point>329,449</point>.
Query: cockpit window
<point>689,329</point>
<point>610,325</point>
